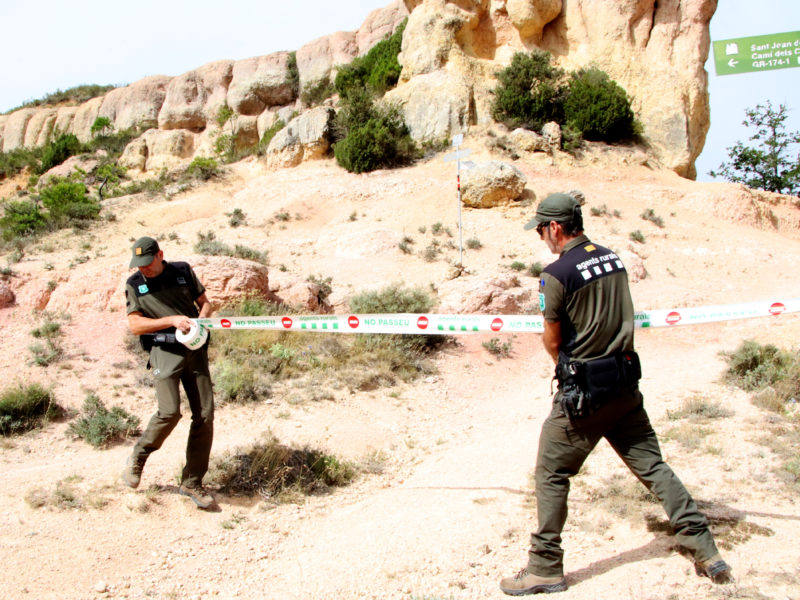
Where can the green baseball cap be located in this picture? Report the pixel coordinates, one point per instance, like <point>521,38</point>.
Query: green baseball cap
<point>144,251</point>
<point>557,207</point>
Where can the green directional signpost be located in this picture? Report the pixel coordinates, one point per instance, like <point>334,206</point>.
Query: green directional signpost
<point>757,53</point>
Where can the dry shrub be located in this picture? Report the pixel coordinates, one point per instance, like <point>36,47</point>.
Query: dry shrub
<point>278,471</point>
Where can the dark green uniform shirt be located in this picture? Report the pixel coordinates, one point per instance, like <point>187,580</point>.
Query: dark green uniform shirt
<point>586,291</point>
<point>172,293</point>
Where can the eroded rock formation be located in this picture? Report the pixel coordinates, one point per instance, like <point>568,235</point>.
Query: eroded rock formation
<point>451,51</point>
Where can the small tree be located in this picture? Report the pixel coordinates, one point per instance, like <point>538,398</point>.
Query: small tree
<point>101,125</point>
<point>768,165</point>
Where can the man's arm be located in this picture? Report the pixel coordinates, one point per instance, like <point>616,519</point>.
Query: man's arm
<point>205,306</point>
<point>139,324</point>
<point>552,338</point>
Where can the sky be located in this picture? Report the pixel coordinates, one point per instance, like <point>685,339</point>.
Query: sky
<point>50,45</point>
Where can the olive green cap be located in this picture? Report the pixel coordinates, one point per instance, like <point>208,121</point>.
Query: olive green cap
<point>144,251</point>
<point>559,207</point>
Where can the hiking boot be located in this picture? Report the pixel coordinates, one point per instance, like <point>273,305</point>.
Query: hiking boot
<point>132,474</point>
<point>198,495</point>
<point>716,569</point>
<point>527,583</point>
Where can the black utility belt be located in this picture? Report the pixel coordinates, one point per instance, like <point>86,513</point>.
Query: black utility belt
<point>148,340</point>
<point>584,386</point>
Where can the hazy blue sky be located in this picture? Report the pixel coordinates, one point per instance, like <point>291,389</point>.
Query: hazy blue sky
<point>50,45</point>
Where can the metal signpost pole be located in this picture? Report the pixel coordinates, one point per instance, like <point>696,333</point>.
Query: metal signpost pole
<point>456,156</point>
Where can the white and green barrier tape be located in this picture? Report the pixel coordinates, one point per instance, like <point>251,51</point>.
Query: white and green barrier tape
<point>439,324</point>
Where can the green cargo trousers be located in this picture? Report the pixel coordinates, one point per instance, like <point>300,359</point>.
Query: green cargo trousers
<point>173,365</point>
<point>563,447</point>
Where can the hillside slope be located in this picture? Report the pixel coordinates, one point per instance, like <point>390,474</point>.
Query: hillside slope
<point>452,509</point>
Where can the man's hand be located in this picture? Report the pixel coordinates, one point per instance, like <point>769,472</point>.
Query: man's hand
<point>182,323</point>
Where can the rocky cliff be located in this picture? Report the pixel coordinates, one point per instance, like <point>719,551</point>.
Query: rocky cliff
<point>451,51</point>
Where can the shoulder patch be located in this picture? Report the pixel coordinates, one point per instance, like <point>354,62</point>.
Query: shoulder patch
<point>590,248</point>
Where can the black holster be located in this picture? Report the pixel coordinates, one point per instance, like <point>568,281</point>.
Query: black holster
<point>148,340</point>
<point>584,386</point>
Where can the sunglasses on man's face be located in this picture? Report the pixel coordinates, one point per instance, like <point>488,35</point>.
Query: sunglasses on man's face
<point>540,229</point>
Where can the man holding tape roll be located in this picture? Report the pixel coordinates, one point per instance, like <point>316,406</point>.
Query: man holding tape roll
<point>588,331</point>
<point>162,299</point>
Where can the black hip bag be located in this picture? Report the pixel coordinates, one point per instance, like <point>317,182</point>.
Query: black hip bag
<point>584,386</point>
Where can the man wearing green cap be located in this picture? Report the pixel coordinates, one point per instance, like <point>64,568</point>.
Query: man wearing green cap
<point>588,331</point>
<point>162,298</point>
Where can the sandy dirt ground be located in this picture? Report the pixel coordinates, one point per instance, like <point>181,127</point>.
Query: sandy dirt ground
<point>451,509</point>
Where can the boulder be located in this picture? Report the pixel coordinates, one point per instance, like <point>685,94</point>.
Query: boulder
<point>93,287</point>
<point>498,295</point>
<point>304,295</point>
<point>492,183</point>
<point>260,82</point>
<point>552,135</point>
<point>7,297</point>
<point>306,137</point>
<point>156,149</point>
<point>193,99</point>
<point>135,105</point>
<point>65,169</point>
<point>14,132</point>
<point>528,141</point>
<point>168,149</point>
<point>134,156</point>
<point>226,278</point>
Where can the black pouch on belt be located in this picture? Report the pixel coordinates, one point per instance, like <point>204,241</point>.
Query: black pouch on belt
<point>586,385</point>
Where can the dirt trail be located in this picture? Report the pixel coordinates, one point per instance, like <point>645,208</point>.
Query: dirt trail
<point>451,509</point>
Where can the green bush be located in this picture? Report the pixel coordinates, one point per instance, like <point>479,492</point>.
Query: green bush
<point>21,218</point>
<point>397,299</point>
<point>377,71</point>
<point>650,215</point>
<point>23,408</point>
<point>68,201</point>
<point>114,142</point>
<point>236,381</point>
<point>208,244</point>
<point>381,140</point>
<point>753,366</point>
<point>530,92</point>
<point>598,107</point>
<point>59,150</point>
<point>101,427</point>
<point>202,169</point>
